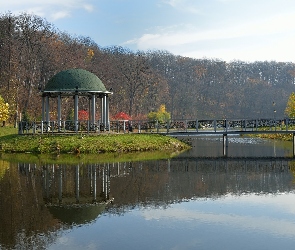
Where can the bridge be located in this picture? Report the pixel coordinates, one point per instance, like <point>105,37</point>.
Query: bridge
<point>176,127</point>
<point>227,127</point>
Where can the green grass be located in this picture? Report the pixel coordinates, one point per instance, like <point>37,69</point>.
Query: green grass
<point>88,144</point>
<point>8,130</point>
<point>276,136</point>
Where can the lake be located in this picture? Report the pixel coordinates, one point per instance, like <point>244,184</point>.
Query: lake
<point>196,200</point>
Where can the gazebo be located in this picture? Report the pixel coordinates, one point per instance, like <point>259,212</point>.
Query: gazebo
<point>76,83</point>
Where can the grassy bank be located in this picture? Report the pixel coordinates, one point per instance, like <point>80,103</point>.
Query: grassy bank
<point>74,159</point>
<point>8,130</point>
<point>276,136</point>
<point>90,144</point>
<point>283,137</point>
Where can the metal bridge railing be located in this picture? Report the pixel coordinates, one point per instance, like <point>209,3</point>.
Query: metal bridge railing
<point>144,126</point>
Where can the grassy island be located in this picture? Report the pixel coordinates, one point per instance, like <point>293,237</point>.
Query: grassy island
<point>91,144</point>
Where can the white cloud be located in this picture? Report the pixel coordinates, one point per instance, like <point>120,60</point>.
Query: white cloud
<point>88,7</point>
<point>59,15</point>
<point>228,1</point>
<point>32,10</point>
<point>239,38</point>
<point>183,5</point>
<point>173,3</point>
<point>51,9</point>
<point>266,224</point>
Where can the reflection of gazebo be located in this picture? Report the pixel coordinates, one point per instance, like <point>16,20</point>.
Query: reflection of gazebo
<point>77,214</point>
<point>76,194</point>
<point>76,83</point>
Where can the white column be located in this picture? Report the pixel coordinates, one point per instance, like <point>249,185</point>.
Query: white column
<point>89,109</point>
<point>105,110</point>
<point>59,112</point>
<point>43,108</point>
<point>47,108</point>
<point>93,111</point>
<point>102,111</point>
<point>107,113</point>
<point>76,110</point>
<point>43,114</point>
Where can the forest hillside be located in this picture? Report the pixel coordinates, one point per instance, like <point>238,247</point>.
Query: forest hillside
<point>32,50</point>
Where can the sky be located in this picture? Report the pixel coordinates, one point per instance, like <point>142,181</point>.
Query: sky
<point>227,30</point>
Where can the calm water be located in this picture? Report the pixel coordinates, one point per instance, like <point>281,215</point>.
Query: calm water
<point>197,200</point>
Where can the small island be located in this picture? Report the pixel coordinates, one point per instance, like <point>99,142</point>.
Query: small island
<point>89,144</point>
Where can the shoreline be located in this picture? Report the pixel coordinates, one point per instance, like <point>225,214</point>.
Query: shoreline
<point>89,144</point>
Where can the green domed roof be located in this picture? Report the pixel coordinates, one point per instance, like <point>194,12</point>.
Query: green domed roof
<point>75,79</point>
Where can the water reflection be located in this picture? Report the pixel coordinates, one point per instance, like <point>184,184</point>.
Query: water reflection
<point>66,184</point>
<point>40,202</point>
<point>238,146</point>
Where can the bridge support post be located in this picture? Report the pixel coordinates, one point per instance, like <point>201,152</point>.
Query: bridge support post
<point>286,121</point>
<point>225,145</point>
<point>168,126</point>
<point>157,126</point>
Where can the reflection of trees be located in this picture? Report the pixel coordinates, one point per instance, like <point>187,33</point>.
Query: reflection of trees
<point>143,183</point>
<point>232,176</point>
<point>292,169</point>
<point>23,217</point>
<point>38,201</point>
<point>162,183</point>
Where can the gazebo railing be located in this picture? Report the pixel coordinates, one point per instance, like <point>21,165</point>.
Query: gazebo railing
<point>114,126</point>
<point>58,127</point>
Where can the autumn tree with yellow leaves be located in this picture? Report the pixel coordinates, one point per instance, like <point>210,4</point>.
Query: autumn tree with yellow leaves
<point>161,115</point>
<point>290,109</point>
<point>4,110</point>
